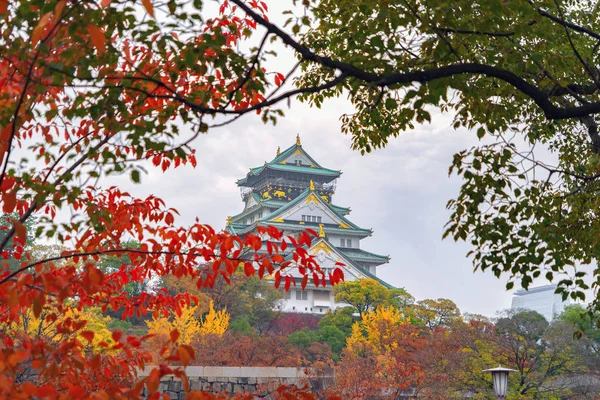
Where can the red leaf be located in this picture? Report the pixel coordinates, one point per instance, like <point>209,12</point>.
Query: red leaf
<point>98,38</point>
<point>88,335</point>
<point>249,269</point>
<point>20,231</point>
<point>9,201</point>
<point>117,336</point>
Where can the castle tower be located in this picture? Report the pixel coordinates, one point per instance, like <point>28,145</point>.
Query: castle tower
<point>293,192</point>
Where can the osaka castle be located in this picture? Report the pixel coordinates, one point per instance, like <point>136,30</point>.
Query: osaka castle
<point>293,192</point>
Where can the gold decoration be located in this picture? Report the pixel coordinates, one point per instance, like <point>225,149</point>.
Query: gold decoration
<point>321,231</point>
<point>301,222</point>
<point>228,220</point>
<point>325,198</point>
<point>278,150</point>
<point>311,198</point>
<point>312,185</point>
<point>343,225</point>
<point>279,193</point>
<point>321,246</point>
<point>298,143</point>
<point>283,162</point>
<point>278,219</point>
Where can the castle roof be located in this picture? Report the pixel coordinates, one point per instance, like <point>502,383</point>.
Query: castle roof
<point>279,163</point>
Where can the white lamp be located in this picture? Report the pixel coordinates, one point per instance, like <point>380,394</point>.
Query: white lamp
<point>500,378</point>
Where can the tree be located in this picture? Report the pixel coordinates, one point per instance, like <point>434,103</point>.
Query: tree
<point>434,313</point>
<point>367,294</point>
<point>544,355</point>
<point>85,94</point>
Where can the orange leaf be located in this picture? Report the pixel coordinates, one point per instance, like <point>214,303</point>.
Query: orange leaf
<point>88,335</point>
<point>105,3</point>
<point>149,7</point>
<point>153,381</point>
<point>9,201</point>
<point>36,35</point>
<point>20,231</point>
<point>96,276</point>
<point>59,8</point>
<point>98,38</point>
<point>186,354</point>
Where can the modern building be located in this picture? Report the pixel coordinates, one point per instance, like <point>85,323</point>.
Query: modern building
<point>541,299</point>
<point>294,192</point>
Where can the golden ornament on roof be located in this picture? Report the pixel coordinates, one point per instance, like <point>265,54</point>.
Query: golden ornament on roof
<point>228,221</point>
<point>312,185</point>
<point>321,231</point>
<point>298,143</point>
<point>278,150</point>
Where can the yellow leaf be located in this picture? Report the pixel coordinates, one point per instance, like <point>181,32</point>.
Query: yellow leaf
<point>149,7</point>
<point>98,38</point>
<point>36,35</point>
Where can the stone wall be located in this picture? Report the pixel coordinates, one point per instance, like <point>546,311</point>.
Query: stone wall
<point>257,381</point>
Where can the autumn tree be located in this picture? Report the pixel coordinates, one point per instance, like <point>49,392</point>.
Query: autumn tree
<point>92,90</point>
<point>367,294</point>
<point>434,313</point>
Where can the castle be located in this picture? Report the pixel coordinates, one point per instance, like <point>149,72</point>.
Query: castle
<point>293,192</point>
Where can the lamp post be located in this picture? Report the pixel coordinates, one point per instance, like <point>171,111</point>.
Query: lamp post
<point>500,378</point>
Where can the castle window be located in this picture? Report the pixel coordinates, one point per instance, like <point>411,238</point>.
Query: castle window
<point>301,295</point>
<point>314,218</point>
<point>342,242</point>
<point>348,242</point>
<point>319,220</point>
<point>304,218</point>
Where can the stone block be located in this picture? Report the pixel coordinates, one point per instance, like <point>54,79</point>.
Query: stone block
<point>231,372</point>
<point>252,380</point>
<point>238,389</point>
<point>213,372</point>
<point>195,384</point>
<point>243,381</point>
<point>267,372</point>
<point>175,386</point>
<point>284,372</point>
<point>181,396</point>
<point>216,387</point>
<point>194,371</point>
<point>172,395</point>
<point>249,372</point>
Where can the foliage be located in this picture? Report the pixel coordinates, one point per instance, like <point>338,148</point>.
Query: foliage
<point>188,325</point>
<point>93,90</point>
<point>214,322</point>
<point>367,294</point>
<point>434,313</point>
<point>240,326</point>
<point>341,318</point>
